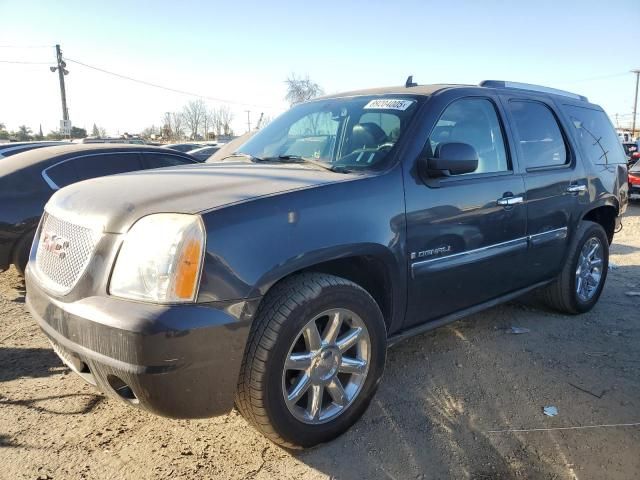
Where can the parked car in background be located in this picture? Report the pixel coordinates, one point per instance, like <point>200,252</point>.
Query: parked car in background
<point>634,179</point>
<point>128,141</point>
<point>8,149</point>
<point>275,279</point>
<point>182,147</point>
<point>632,152</point>
<point>202,154</point>
<point>28,180</point>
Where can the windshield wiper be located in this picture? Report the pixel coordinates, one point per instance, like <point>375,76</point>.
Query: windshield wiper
<point>299,159</point>
<point>248,156</point>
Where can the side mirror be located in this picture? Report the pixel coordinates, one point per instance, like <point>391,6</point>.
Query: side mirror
<point>452,158</point>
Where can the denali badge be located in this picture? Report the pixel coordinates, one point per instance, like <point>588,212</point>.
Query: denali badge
<point>55,244</point>
<point>431,252</point>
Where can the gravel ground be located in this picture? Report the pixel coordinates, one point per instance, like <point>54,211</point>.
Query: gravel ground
<point>444,395</point>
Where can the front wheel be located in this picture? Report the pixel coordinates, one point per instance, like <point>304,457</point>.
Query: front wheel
<point>315,356</point>
<point>579,285</point>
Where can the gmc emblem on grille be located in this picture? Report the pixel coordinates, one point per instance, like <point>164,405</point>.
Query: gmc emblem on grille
<point>55,244</point>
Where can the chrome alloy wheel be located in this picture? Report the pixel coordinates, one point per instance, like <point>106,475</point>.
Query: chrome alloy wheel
<point>326,366</point>
<point>589,269</point>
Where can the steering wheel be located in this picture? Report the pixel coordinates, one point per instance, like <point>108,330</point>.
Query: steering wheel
<point>385,146</point>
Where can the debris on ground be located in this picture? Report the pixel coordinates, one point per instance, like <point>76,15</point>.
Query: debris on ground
<point>588,391</point>
<point>632,294</point>
<point>519,330</point>
<point>550,411</point>
<point>613,266</point>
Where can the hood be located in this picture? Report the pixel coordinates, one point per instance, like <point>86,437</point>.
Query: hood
<point>112,204</point>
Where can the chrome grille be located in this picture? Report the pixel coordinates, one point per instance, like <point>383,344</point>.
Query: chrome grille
<point>64,250</point>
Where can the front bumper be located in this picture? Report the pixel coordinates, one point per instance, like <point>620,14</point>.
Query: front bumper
<point>178,361</point>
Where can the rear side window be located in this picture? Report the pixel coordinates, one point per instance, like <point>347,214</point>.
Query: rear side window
<point>596,136</point>
<point>541,141</point>
<point>83,168</point>
<point>160,160</point>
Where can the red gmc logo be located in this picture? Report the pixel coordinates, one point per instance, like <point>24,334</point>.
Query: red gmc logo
<point>55,244</point>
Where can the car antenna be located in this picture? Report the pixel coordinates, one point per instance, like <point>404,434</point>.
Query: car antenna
<point>409,82</point>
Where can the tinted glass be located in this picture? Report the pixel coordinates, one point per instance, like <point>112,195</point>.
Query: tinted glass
<point>473,121</point>
<point>160,160</point>
<point>83,168</point>
<point>597,138</point>
<point>540,137</point>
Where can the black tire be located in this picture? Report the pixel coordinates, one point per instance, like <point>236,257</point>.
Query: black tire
<point>21,252</point>
<point>561,294</point>
<point>285,310</point>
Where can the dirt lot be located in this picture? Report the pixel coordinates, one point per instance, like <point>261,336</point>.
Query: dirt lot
<point>443,395</point>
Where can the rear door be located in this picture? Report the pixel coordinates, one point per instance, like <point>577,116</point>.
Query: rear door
<point>554,179</point>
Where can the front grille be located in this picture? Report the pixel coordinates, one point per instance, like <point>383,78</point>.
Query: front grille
<point>64,250</point>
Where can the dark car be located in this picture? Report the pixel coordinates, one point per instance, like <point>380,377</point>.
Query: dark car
<point>276,278</point>
<point>9,149</point>
<point>203,154</point>
<point>182,147</point>
<point>28,180</point>
<point>631,150</point>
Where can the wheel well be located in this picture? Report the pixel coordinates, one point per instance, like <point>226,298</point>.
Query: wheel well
<point>367,271</point>
<point>605,216</point>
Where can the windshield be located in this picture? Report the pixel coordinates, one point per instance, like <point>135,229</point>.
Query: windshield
<point>352,133</point>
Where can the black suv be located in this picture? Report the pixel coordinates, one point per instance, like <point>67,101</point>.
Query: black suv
<point>276,278</point>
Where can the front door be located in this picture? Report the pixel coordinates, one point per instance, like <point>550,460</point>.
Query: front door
<point>466,234</point>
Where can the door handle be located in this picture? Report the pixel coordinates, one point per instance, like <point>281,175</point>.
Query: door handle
<point>576,188</point>
<point>508,201</point>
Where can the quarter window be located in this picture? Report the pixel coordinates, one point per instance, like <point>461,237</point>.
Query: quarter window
<point>596,136</point>
<point>541,141</point>
<point>473,121</point>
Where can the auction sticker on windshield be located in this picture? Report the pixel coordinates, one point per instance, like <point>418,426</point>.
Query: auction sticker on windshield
<point>389,104</point>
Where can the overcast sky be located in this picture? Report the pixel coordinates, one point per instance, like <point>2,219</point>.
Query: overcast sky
<point>241,52</point>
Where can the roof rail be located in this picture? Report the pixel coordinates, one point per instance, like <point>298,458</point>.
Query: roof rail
<point>533,88</point>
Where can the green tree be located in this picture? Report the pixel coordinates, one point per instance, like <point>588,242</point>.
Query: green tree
<point>39,135</point>
<point>24,133</point>
<point>96,131</point>
<point>77,132</point>
<point>4,135</point>
<point>53,135</point>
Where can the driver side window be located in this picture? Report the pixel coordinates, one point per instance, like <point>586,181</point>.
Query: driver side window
<point>473,121</point>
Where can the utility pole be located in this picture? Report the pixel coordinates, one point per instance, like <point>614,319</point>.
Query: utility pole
<point>62,71</point>
<point>635,104</point>
<point>248,120</point>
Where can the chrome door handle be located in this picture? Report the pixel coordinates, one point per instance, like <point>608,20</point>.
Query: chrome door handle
<point>507,201</point>
<point>576,188</point>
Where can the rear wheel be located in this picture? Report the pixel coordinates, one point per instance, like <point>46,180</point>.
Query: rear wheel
<point>315,356</point>
<point>579,285</point>
<point>21,252</point>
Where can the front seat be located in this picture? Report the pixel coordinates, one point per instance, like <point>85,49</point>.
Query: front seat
<point>367,135</point>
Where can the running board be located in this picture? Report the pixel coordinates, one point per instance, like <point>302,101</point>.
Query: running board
<point>433,324</point>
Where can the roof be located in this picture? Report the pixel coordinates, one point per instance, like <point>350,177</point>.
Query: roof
<point>424,90</point>
<point>40,155</point>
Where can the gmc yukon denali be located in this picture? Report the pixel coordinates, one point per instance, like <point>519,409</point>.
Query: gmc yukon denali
<point>276,278</point>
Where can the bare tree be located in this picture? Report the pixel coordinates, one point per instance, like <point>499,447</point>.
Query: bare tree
<point>176,126</point>
<point>225,116</point>
<point>193,115</point>
<point>209,122</point>
<point>167,126</point>
<point>301,89</point>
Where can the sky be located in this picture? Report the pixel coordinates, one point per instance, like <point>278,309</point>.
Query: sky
<point>240,53</point>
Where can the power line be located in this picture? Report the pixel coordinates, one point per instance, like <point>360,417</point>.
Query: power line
<point>26,46</point>
<point>162,87</point>
<point>20,62</point>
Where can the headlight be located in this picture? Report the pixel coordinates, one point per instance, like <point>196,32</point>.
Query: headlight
<point>160,259</point>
